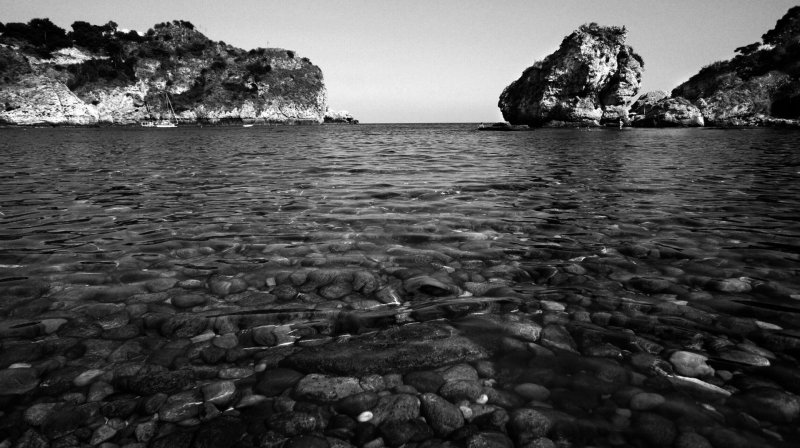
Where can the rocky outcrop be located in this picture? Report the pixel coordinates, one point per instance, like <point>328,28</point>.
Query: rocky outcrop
<point>590,80</point>
<point>657,109</point>
<point>339,116</point>
<point>760,86</point>
<point>97,75</point>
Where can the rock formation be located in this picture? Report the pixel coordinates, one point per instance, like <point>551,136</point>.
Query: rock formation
<point>760,86</point>
<point>339,116</point>
<point>658,109</point>
<point>99,74</point>
<point>590,80</point>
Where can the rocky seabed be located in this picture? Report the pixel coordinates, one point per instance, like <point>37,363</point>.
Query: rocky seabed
<point>476,340</point>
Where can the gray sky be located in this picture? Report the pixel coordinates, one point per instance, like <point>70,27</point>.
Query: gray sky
<point>438,61</point>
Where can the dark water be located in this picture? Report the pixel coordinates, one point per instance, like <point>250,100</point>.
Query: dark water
<point>563,256</point>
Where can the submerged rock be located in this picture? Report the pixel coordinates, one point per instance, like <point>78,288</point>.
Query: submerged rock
<point>325,388</point>
<point>18,381</point>
<point>415,346</point>
<point>770,404</point>
<point>443,416</point>
<point>591,79</point>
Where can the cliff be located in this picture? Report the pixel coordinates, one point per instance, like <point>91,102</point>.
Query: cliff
<point>760,86</point>
<point>99,74</point>
<point>590,80</point>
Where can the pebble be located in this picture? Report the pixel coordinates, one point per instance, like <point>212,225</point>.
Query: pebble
<point>358,403</point>
<point>67,419</point>
<point>220,393</point>
<point>527,425</point>
<point>645,401</point>
<point>655,430</point>
<point>398,407</point>
<point>443,416</point>
<point>150,380</point>
<point>295,423</point>
<point>549,305</point>
<point>99,390</point>
<point>525,331</point>
<point>691,364</point>
<point>365,416</point>
<point>51,326</point>
<point>691,440</point>
<point>557,337</point>
<point>731,285</point>
<point>319,387</point>
<point>102,433</point>
<point>460,372</point>
<point>742,357</point>
<point>700,388</point>
<point>770,404</point>
<point>18,381</point>
<point>38,413</point>
<point>184,326</point>
<point>274,381</point>
<point>235,373</point>
<point>188,300</point>
<point>461,390</point>
<point>181,406</point>
<point>530,391</point>
<point>424,380</point>
<point>489,439</point>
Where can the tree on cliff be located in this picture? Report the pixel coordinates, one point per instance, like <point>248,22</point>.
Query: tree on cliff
<point>42,34</point>
<point>787,28</point>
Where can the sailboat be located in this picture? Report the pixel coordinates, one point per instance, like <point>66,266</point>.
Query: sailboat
<point>171,123</point>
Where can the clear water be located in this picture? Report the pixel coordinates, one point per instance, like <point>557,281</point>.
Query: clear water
<point>705,220</point>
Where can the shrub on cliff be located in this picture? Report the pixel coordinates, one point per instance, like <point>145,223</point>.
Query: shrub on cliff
<point>110,71</point>
<point>41,35</point>
<point>780,51</point>
<point>788,27</point>
<point>211,76</point>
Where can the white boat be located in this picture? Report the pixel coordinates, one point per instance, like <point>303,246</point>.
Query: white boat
<point>171,123</point>
<point>166,124</point>
<point>250,125</point>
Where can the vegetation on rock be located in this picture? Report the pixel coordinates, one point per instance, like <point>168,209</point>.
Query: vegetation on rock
<point>761,81</point>
<point>124,75</point>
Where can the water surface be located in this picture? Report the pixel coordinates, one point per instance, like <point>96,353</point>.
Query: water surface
<point>666,240</point>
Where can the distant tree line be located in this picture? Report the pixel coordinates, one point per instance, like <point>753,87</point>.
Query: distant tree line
<point>44,37</point>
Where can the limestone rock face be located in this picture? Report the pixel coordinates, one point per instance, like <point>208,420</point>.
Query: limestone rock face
<point>42,100</point>
<point>339,116</point>
<point>591,79</point>
<point>657,109</point>
<point>128,77</point>
<point>760,86</point>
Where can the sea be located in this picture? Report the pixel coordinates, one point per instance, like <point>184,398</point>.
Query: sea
<point>409,285</point>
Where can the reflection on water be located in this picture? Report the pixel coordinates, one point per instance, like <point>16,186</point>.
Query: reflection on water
<point>663,262</point>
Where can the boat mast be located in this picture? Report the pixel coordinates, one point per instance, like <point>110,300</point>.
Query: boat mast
<point>169,103</point>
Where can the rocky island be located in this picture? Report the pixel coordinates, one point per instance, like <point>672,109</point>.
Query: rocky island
<point>593,78</point>
<point>100,74</point>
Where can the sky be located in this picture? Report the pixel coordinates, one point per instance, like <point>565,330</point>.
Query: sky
<point>424,61</point>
